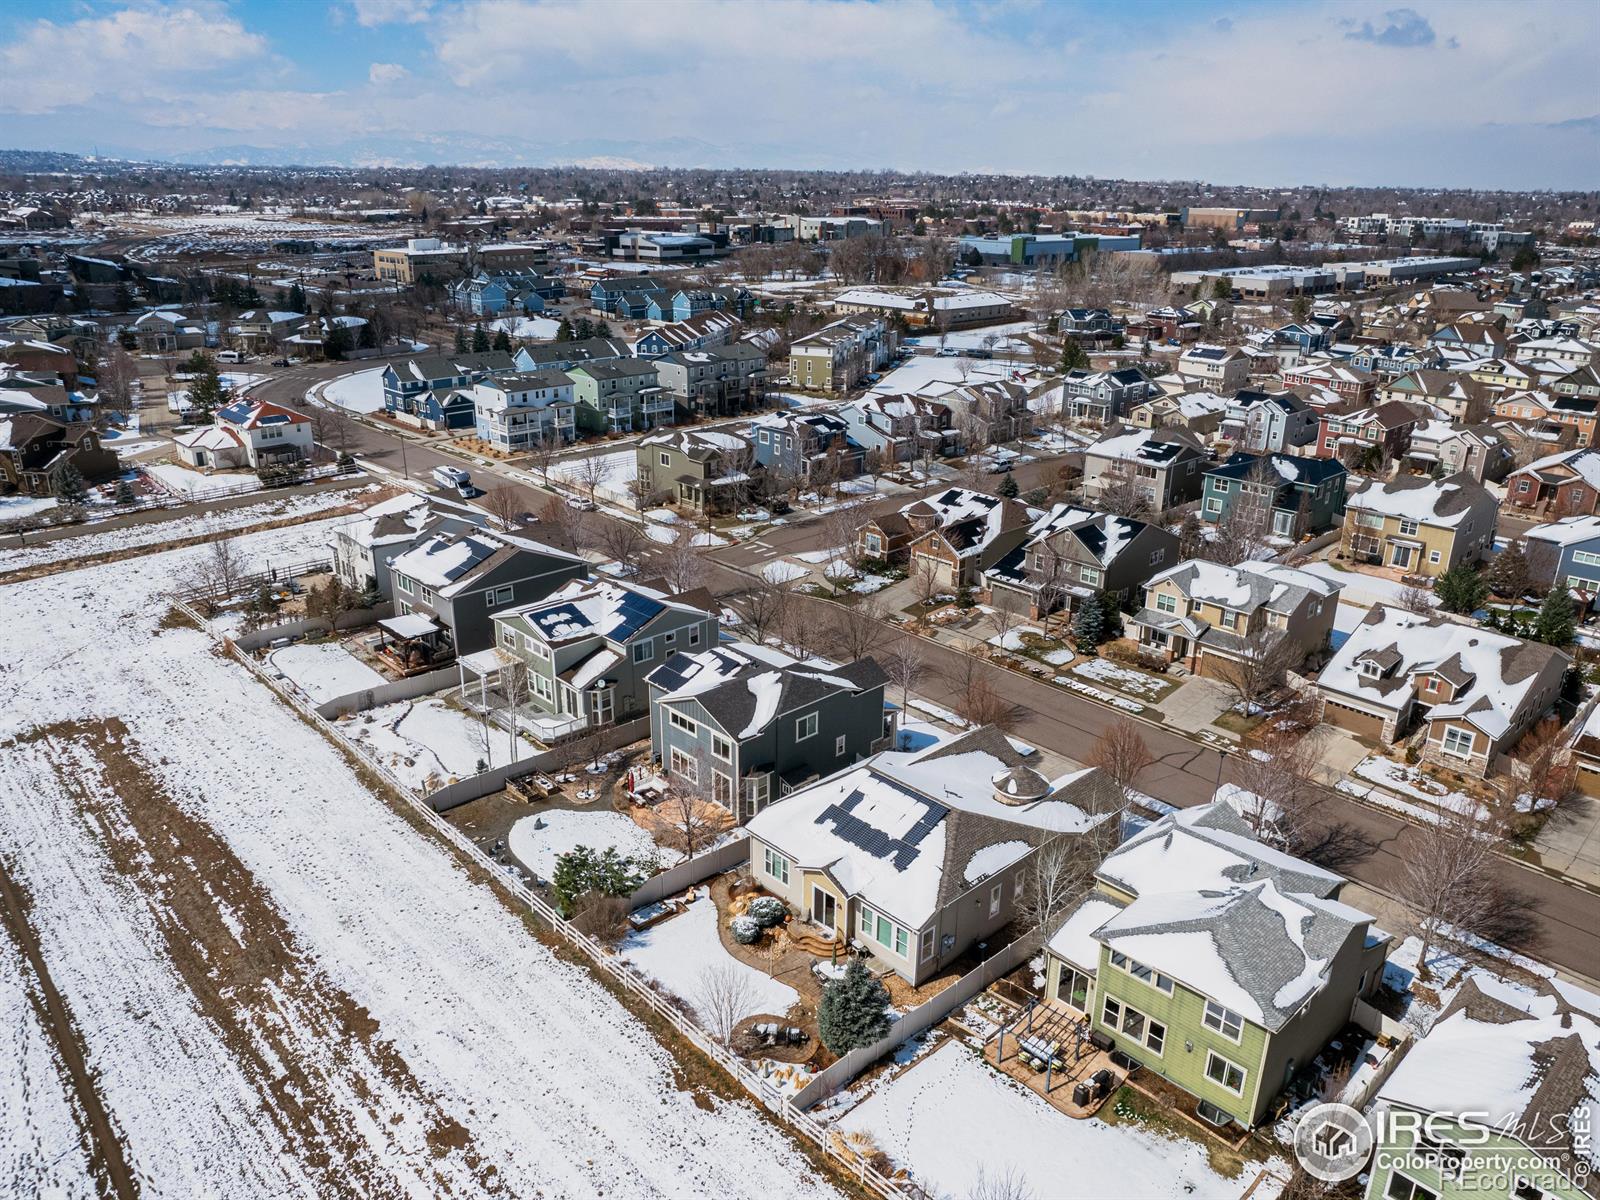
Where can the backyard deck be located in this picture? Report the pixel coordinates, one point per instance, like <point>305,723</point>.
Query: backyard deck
<point>1056,1036</point>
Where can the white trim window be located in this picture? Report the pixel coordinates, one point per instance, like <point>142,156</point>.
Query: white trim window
<point>995,894</point>
<point>644,651</point>
<point>495,597</point>
<point>678,721</point>
<point>1224,1020</point>
<point>805,727</point>
<point>775,865</point>
<point>929,937</point>
<point>721,748</point>
<point>1162,983</point>
<point>1225,1073</point>
<point>683,764</point>
<point>1458,742</point>
<point>838,746</point>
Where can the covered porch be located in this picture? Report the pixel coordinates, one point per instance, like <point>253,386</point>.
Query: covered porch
<point>412,643</point>
<point>1050,1049</point>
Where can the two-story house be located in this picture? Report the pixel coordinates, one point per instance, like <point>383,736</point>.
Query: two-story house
<point>1474,691</point>
<point>1072,554</point>
<point>1480,451</point>
<point>1419,525</point>
<point>1459,397</point>
<point>563,356</point>
<point>1558,485</point>
<point>167,330</point>
<point>35,448</point>
<point>704,329</point>
<point>990,413</point>
<point>259,330</point>
<point>1163,465</point>
<point>252,434</point>
<point>589,647</point>
<point>1275,495</point>
<point>620,395</point>
<point>1100,397</point>
<point>1368,436</point>
<point>718,381</point>
<point>1210,618</point>
<point>1215,961</point>
<point>1198,412</point>
<point>1565,553</point>
<point>1262,422</point>
<point>896,429</point>
<point>364,545</point>
<point>746,724</point>
<point>454,583</point>
<point>978,518</point>
<point>1348,383</point>
<point>433,390</point>
<point>795,443</point>
<point>1218,368</point>
<point>699,470</point>
<point>917,856</point>
<point>523,409</point>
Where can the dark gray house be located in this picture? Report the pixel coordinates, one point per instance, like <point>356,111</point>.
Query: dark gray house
<point>591,644</point>
<point>363,547</point>
<point>1104,396</point>
<point>456,582</point>
<point>747,724</point>
<point>563,356</point>
<point>715,381</point>
<point>792,443</point>
<point>1074,553</point>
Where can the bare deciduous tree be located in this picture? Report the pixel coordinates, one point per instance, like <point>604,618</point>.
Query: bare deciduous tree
<point>1446,881</point>
<point>724,997</point>
<point>978,700</point>
<point>681,561</point>
<point>1000,1183</point>
<point>516,687</point>
<point>1278,794</point>
<point>1416,599</point>
<point>858,629</point>
<point>1121,753</point>
<point>505,506</point>
<point>542,455</point>
<point>906,666</point>
<point>621,541</point>
<point>217,573</point>
<point>1117,493</point>
<point>764,608</point>
<point>591,472</point>
<point>1263,662</point>
<point>562,525</point>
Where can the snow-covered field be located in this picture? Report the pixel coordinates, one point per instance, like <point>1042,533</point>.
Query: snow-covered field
<point>565,830</point>
<point>427,743</point>
<point>284,988</point>
<point>934,376</point>
<point>14,507</point>
<point>158,533</point>
<point>185,481</point>
<point>323,671</point>
<point>529,328</point>
<point>1357,586</point>
<point>361,392</point>
<point>40,1152</point>
<point>677,952</point>
<point>949,1116</point>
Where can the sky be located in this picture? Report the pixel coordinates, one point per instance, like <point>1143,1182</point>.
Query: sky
<point>1455,93</point>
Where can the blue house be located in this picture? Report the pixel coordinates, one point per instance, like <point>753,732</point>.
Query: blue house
<point>626,299</point>
<point>794,443</point>
<point>428,390</point>
<point>1309,338</point>
<point>1566,552</point>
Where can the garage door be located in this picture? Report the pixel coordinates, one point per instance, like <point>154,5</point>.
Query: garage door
<point>1354,720</point>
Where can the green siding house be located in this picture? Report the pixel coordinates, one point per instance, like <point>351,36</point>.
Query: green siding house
<point>1214,960</point>
<point>1289,495</point>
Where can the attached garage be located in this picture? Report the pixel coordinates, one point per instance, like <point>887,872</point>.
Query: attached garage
<point>1364,724</point>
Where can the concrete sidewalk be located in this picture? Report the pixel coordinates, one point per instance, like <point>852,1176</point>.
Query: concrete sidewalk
<point>1570,842</point>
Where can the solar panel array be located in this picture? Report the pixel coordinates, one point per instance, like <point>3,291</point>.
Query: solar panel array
<point>633,614</point>
<point>901,851</point>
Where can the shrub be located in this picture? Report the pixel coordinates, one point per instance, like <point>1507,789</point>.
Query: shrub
<point>854,1010</point>
<point>746,930</point>
<point>583,870</point>
<point>767,911</point>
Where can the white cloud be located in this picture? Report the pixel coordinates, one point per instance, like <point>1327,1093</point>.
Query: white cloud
<point>371,13</point>
<point>50,65</point>
<point>379,74</point>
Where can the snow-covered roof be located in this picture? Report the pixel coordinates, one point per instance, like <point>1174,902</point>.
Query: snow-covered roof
<point>593,608</point>
<point>1075,941</point>
<point>1567,531</point>
<point>744,687</point>
<point>448,562</point>
<point>908,832</point>
<point>1445,503</point>
<point>1247,586</point>
<point>1492,675</point>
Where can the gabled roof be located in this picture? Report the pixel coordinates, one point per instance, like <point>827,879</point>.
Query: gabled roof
<point>1246,587</point>
<point>1289,468</point>
<point>1445,502</point>
<point>1151,447</point>
<point>259,414</point>
<point>745,695</point>
<point>586,608</point>
<point>448,563</point>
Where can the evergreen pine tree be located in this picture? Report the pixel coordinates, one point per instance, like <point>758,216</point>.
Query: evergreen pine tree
<point>583,328</point>
<point>1508,574</point>
<point>1461,590</point>
<point>337,344</point>
<point>1110,616</point>
<point>1008,486</point>
<point>854,1010</point>
<point>564,331</point>
<point>461,341</point>
<point>369,336</point>
<point>1088,625</point>
<point>601,329</point>
<point>206,393</point>
<point>1073,358</point>
<point>502,340</point>
<point>480,339</point>
<point>297,298</point>
<point>1557,622</point>
<point>69,485</point>
<point>125,492</point>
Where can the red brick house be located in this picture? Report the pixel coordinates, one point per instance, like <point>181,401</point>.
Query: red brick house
<point>1349,383</point>
<point>1562,485</point>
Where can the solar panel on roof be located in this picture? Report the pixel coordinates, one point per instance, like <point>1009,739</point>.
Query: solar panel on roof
<point>901,851</point>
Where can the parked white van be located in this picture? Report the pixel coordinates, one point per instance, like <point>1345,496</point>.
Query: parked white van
<point>451,477</point>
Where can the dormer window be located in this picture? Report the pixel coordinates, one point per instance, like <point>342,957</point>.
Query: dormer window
<point>1370,669</point>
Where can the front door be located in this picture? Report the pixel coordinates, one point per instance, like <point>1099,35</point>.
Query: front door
<point>823,908</point>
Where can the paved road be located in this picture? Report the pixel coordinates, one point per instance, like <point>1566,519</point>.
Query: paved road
<point>1567,918</point>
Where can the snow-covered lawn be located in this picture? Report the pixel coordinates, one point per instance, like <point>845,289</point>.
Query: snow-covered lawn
<point>1415,784</point>
<point>157,533</point>
<point>782,571</point>
<point>538,841</point>
<point>678,951</point>
<point>621,468</point>
<point>183,481</point>
<point>1123,679</point>
<point>40,1148</point>
<point>1358,586</point>
<point>427,743</point>
<point>949,1116</point>
<point>931,375</point>
<point>530,328</point>
<point>285,988</point>
<point>15,507</point>
<point>324,671</point>
<point>361,392</point>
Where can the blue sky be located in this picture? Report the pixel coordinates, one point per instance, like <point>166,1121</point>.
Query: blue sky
<point>1460,93</point>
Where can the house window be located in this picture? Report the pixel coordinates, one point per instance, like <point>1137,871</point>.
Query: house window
<point>644,651</point>
<point>683,764</point>
<point>1224,1020</point>
<point>1089,576</point>
<point>1227,1074</point>
<point>994,900</point>
<point>678,721</point>
<point>1155,1038</point>
<point>1401,1188</point>
<point>902,942</point>
<point>1213,504</point>
<point>694,635</point>
<point>1111,1014</point>
<point>776,865</point>
<point>1459,742</point>
<point>1166,602</point>
<point>666,459</point>
<point>838,746</point>
<point>1229,620</point>
<point>805,727</point>
<point>495,598</point>
<point>1408,528</point>
<point>925,951</point>
<point>405,583</point>
<point>1158,556</point>
<point>720,747</point>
